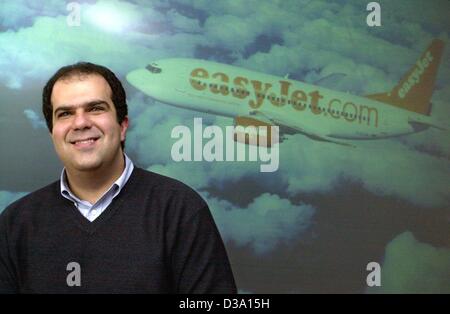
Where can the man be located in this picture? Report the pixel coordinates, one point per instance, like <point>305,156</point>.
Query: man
<point>106,226</point>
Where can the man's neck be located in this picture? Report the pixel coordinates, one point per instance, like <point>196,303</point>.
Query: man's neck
<point>91,185</point>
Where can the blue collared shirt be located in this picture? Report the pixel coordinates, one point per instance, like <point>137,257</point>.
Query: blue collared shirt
<point>92,211</point>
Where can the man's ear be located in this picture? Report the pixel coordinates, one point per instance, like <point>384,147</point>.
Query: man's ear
<point>123,128</point>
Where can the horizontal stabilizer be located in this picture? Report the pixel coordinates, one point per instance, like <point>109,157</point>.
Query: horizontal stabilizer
<point>421,125</point>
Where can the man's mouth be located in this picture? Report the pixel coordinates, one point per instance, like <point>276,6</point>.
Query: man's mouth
<point>86,142</point>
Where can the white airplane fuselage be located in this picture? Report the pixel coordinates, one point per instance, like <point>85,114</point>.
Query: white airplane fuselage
<point>232,91</point>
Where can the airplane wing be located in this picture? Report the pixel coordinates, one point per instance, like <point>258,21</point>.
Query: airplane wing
<point>330,79</point>
<point>320,137</point>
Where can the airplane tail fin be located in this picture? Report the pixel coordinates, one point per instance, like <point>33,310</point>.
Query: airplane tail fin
<point>414,90</point>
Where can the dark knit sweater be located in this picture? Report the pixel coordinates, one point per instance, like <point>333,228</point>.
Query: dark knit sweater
<point>157,236</point>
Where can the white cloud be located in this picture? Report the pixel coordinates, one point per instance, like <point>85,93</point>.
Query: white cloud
<point>230,32</point>
<point>384,167</point>
<point>265,223</point>
<point>36,121</point>
<point>430,16</point>
<point>151,127</point>
<point>182,23</point>
<point>240,8</point>
<point>17,14</point>
<point>413,267</point>
<point>114,16</point>
<point>39,50</point>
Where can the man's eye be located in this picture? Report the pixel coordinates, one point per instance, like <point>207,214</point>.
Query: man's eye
<point>63,114</point>
<point>96,108</point>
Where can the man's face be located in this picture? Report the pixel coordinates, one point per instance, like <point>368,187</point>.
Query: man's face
<point>85,132</point>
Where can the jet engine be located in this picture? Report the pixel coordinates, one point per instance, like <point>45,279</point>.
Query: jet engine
<point>255,132</point>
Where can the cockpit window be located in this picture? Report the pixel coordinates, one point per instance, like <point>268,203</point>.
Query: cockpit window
<point>153,68</point>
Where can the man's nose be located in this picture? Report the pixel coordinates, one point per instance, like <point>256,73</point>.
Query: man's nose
<point>81,121</point>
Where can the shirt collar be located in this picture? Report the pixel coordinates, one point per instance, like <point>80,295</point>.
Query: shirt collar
<point>118,184</point>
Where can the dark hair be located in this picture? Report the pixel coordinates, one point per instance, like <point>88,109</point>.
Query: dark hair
<point>80,68</point>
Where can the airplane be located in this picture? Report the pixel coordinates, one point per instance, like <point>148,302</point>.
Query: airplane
<point>257,99</point>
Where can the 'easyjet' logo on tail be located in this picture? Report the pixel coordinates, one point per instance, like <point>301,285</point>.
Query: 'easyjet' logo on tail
<point>414,78</point>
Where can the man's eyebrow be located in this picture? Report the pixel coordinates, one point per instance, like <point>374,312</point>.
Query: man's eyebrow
<point>88,104</point>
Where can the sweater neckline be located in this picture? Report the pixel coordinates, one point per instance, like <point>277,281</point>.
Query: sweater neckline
<point>74,215</point>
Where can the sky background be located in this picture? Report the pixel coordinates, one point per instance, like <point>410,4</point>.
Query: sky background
<point>313,225</point>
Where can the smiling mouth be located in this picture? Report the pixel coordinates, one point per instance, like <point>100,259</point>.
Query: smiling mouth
<point>87,142</point>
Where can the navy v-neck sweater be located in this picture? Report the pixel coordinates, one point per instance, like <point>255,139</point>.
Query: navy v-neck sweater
<point>157,236</point>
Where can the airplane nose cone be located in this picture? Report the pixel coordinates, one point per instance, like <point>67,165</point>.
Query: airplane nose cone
<point>138,78</point>
<point>146,82</point>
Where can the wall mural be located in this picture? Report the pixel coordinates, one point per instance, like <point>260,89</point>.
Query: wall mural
<point>317,131</point>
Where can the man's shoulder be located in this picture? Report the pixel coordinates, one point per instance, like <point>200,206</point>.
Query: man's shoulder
<point>32,200</point>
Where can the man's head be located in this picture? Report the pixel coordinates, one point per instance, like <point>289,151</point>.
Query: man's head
<point>86,113</point>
